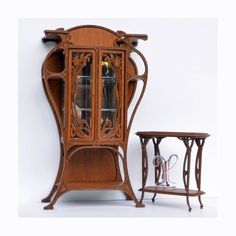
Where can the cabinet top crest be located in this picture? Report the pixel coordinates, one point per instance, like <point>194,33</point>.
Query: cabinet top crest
<point>93,35</point>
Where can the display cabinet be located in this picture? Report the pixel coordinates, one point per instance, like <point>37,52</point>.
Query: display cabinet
<point>90,79</point>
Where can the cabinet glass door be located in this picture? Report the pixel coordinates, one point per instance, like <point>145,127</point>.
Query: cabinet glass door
<point>82,69</point>
<point>111,95</point>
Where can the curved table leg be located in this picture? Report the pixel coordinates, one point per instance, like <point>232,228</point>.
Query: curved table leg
<point>188,142</point>
<point>200,201</point>
<point>157,170</point>
<point>189,207</point>
<point>198,166</point>
<point>153,198</point>
<point>144,142</point>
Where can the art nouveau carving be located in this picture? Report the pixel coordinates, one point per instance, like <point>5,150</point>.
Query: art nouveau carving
<point>90,80</point>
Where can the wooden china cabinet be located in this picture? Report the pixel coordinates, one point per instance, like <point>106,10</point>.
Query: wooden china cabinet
<point>90,80</point>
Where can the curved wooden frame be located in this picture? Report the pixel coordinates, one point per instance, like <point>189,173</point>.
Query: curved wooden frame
<point>119,40</point>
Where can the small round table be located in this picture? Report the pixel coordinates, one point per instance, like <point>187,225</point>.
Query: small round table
<point>188,139</point>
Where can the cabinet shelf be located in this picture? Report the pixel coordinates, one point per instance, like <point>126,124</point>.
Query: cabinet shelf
<point>172,191</point>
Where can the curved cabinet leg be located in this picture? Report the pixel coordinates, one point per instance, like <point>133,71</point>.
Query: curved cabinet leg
<point>127,188</point>
<point>129,191</point>
<point>53,190</point>
<point>56,182</point>
<point>61,190</point>
<point>127,197</point>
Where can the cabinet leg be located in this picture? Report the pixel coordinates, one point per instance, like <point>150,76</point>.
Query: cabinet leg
<point>61,190</point>
<point>139,204</point>
<point>129,192</point>
<point>55,185</point>
<point>200,201</point>
<point>154,196</point>
<point>127,188</point>
<point>48,198</point>
<point>127,197</point>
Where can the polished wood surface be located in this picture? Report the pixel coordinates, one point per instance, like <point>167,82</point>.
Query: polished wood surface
<point>172,191</point>
<point>91,148</point>
<point>172,134</point>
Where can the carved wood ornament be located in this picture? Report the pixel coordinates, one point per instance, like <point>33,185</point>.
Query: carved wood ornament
<point>90,80</point>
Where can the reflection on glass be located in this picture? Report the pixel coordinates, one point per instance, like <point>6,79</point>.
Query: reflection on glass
<point>83,98</point>
<point>109,102</point>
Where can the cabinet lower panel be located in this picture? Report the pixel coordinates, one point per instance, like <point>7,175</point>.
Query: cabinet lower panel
<point>92,166</point>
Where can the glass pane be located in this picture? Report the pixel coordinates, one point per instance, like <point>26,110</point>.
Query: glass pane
<point>82,95</point>
<point>109,95</point>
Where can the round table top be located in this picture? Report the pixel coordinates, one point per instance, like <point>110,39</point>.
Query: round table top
<point>152,134</point>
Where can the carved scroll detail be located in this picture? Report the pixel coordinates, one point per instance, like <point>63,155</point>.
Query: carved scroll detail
<point>142,78</point>
<point>112,128</point>
<point>79,127</point>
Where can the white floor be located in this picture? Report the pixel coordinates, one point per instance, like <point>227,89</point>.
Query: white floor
<point>163,207</point>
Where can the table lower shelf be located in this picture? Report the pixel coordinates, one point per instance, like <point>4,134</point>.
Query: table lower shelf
<point>172,191</point>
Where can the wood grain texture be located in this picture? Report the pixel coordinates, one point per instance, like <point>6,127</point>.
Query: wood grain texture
<point>90,152</point>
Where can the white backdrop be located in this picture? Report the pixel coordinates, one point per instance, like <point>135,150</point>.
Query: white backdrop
<point>181,95</point>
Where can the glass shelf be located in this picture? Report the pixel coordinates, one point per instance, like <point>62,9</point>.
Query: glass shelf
<point>89,109</point>
<point>84,77</point>
<point>108,109</point>
<point>109,77</point>
<point>84,109</point>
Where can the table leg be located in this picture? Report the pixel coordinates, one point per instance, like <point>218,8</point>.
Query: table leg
<point>198,166</point>
<point>153,198</point>
<point>188,142</point>
<point>144,142</point>
<point>157,170</point>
